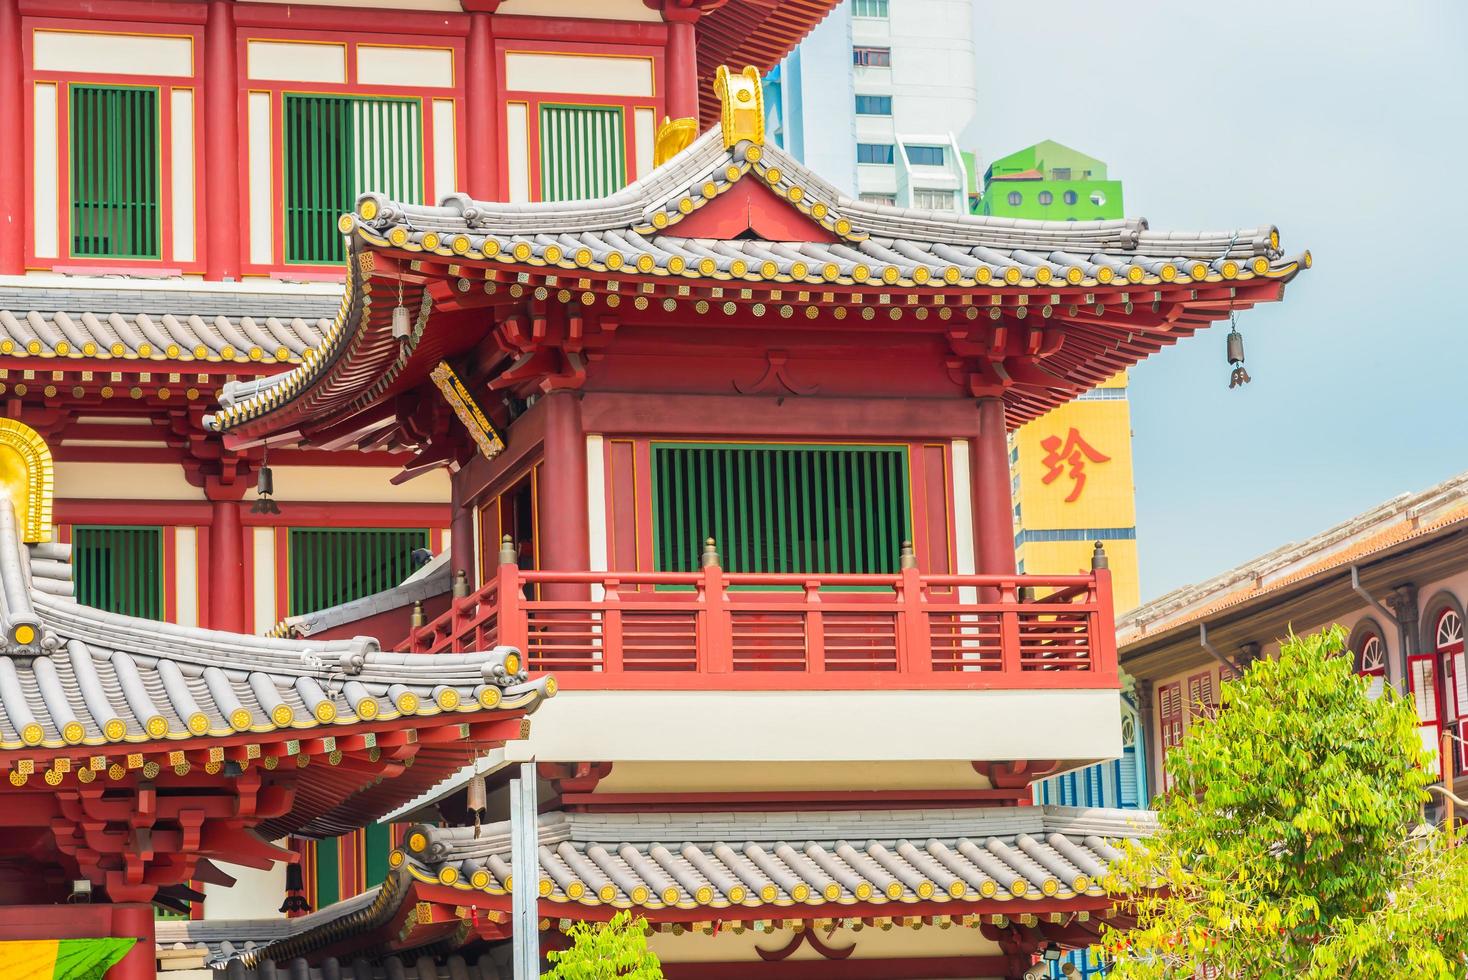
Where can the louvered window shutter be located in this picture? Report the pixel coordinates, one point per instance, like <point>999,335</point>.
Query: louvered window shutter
<point>329,565</point>
<point>583,152</point>
<point>336,148</point>
<point>114,172</point>
<point>119,569</point>
<point>781,509</point>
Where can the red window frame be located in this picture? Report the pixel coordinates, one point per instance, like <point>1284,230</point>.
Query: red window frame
<point>1169,723</point>
<point>1448,634</point>
<point>1369,659</point>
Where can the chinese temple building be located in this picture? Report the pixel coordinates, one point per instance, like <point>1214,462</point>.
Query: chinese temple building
<point>142,755</point>
<point>732,451</point>
<point>1396,577</point>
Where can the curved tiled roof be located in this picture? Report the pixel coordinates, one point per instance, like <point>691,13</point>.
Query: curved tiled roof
<point>102,320</point>
<point>71,675</point>
<point>433,579</point>
<point>633,232</point>
<point>733,861</point>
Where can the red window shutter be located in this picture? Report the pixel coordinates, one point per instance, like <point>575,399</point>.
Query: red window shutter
<point>1170,715</point>
<point>1200,695</point>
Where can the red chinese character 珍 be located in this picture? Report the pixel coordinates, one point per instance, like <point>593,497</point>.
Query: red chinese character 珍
<point>1075,451</point>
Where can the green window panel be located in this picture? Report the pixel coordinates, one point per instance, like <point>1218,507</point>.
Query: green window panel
<point>119,569</point>
<point>582,152</point>
<point>114,172</point>
<point>336,148</point>
<point>331,565</point>
<point>830,509</point>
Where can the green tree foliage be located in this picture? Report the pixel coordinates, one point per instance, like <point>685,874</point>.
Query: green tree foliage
<point>602,950</point>
<point>1290,843</point>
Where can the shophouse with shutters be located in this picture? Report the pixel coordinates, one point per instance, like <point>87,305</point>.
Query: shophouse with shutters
<point>1395,577</point>
<point>732,449</point>
<point>170,202</point>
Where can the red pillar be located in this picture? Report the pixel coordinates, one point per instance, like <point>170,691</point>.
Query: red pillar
<point>481,111</point>
<point>461,538</point>
<point>226,583</point>
<point>12,150</point>
<point>993,504</point>
<point>682,63</point>
<point>561,489</point>
<point>224,207</point>
<point>141,962</point>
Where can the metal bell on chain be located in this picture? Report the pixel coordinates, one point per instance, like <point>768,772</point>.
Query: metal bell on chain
<point>1236,356</point>
<point>476,798</point>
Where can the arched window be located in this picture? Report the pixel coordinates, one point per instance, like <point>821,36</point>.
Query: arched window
<point>1015,199</point>
<point>1370,654</point>
<point>1424,672</point>
<point>1069,197</point>
<point>1098,198</point>
<point>1045,197</point>
<point>1450,651</point>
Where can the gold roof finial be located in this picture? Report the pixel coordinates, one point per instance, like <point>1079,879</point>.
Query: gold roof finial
<point>27,479</point>
<point>743,100</point>
<point>673,137</point>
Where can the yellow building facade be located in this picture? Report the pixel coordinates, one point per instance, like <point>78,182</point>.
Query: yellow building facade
<point>1073,486</point>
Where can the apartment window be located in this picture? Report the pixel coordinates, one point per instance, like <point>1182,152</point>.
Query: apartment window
<point>1015,199</point>
<point>582,152</point>
<point>114,172</point>
<point>872,57</point>
<point>924,156</point>
<point>874,153</point>
<point>332,565</point>
<point>337,147</point>
<point>832,509</point>
<point>119,569</point>
<point>1069,197</point>
<point>874,105</point>
<point>869,8</point>
<point>888,199</point>
<point>1045,198</point>
<point>932,200</point>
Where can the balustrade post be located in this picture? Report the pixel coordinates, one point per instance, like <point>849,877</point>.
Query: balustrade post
<point>462,614</point>
<point>915,648</point>
<point>1103,618</point>
<point>611,627</point>
<point>715,629</point>
<point>514,628</point>
<point>1010,663</point>
<point>815,628</point>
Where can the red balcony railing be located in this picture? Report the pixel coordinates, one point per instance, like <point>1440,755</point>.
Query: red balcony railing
<point>720,630</point>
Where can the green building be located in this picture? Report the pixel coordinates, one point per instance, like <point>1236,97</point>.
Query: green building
<point>1050,182</point>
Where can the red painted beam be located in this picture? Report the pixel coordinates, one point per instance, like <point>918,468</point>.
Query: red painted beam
<point>906,968</point>
<point>301,17</point>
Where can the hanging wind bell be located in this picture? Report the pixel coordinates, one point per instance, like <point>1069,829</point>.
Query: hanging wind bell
<point>477,797</point>
<point>401,323</point>
<point>1236,354</point>
<point>265,489</point>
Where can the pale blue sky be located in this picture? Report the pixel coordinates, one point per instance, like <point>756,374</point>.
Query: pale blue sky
<point>1345,123</point>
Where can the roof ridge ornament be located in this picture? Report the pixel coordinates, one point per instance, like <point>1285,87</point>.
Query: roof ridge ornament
<point>743,105</point>
<point>673,137</point>
<point>27,479</point>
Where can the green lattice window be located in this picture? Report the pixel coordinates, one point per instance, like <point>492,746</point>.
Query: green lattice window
<point>331,565</point>
<point>337,147</point>
<point>119,569</point>
<point>114,172</point>
<point>582,152</point>
<point>781,508</point>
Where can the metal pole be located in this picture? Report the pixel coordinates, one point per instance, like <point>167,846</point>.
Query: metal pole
<point>525,865</point>
<point>1449,816</point>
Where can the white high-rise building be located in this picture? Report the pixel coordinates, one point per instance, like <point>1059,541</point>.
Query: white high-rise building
<point>880,91</point>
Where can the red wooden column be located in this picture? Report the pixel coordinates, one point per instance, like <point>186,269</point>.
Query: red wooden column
<point>225,209</point>
<point>561,489</point>
<point>482,114</point>
<point>226,584</point>
<point>993,505</point>
<point>461,533</point>
<point>12,150</point>
<point>682,55</point>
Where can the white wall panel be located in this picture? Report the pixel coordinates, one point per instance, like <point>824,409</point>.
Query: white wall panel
<point>644,130</point>
<point>296,61</point>
<point>517,150</point>
<point>181,150</point>
<point>262,191</point>
<point>263,551</point>
<point>576,74</point>
<point>445,141</point>
<point>186,575</point>
<point>379,64</point>
<point>45,209</point>
<point>116,54</point>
